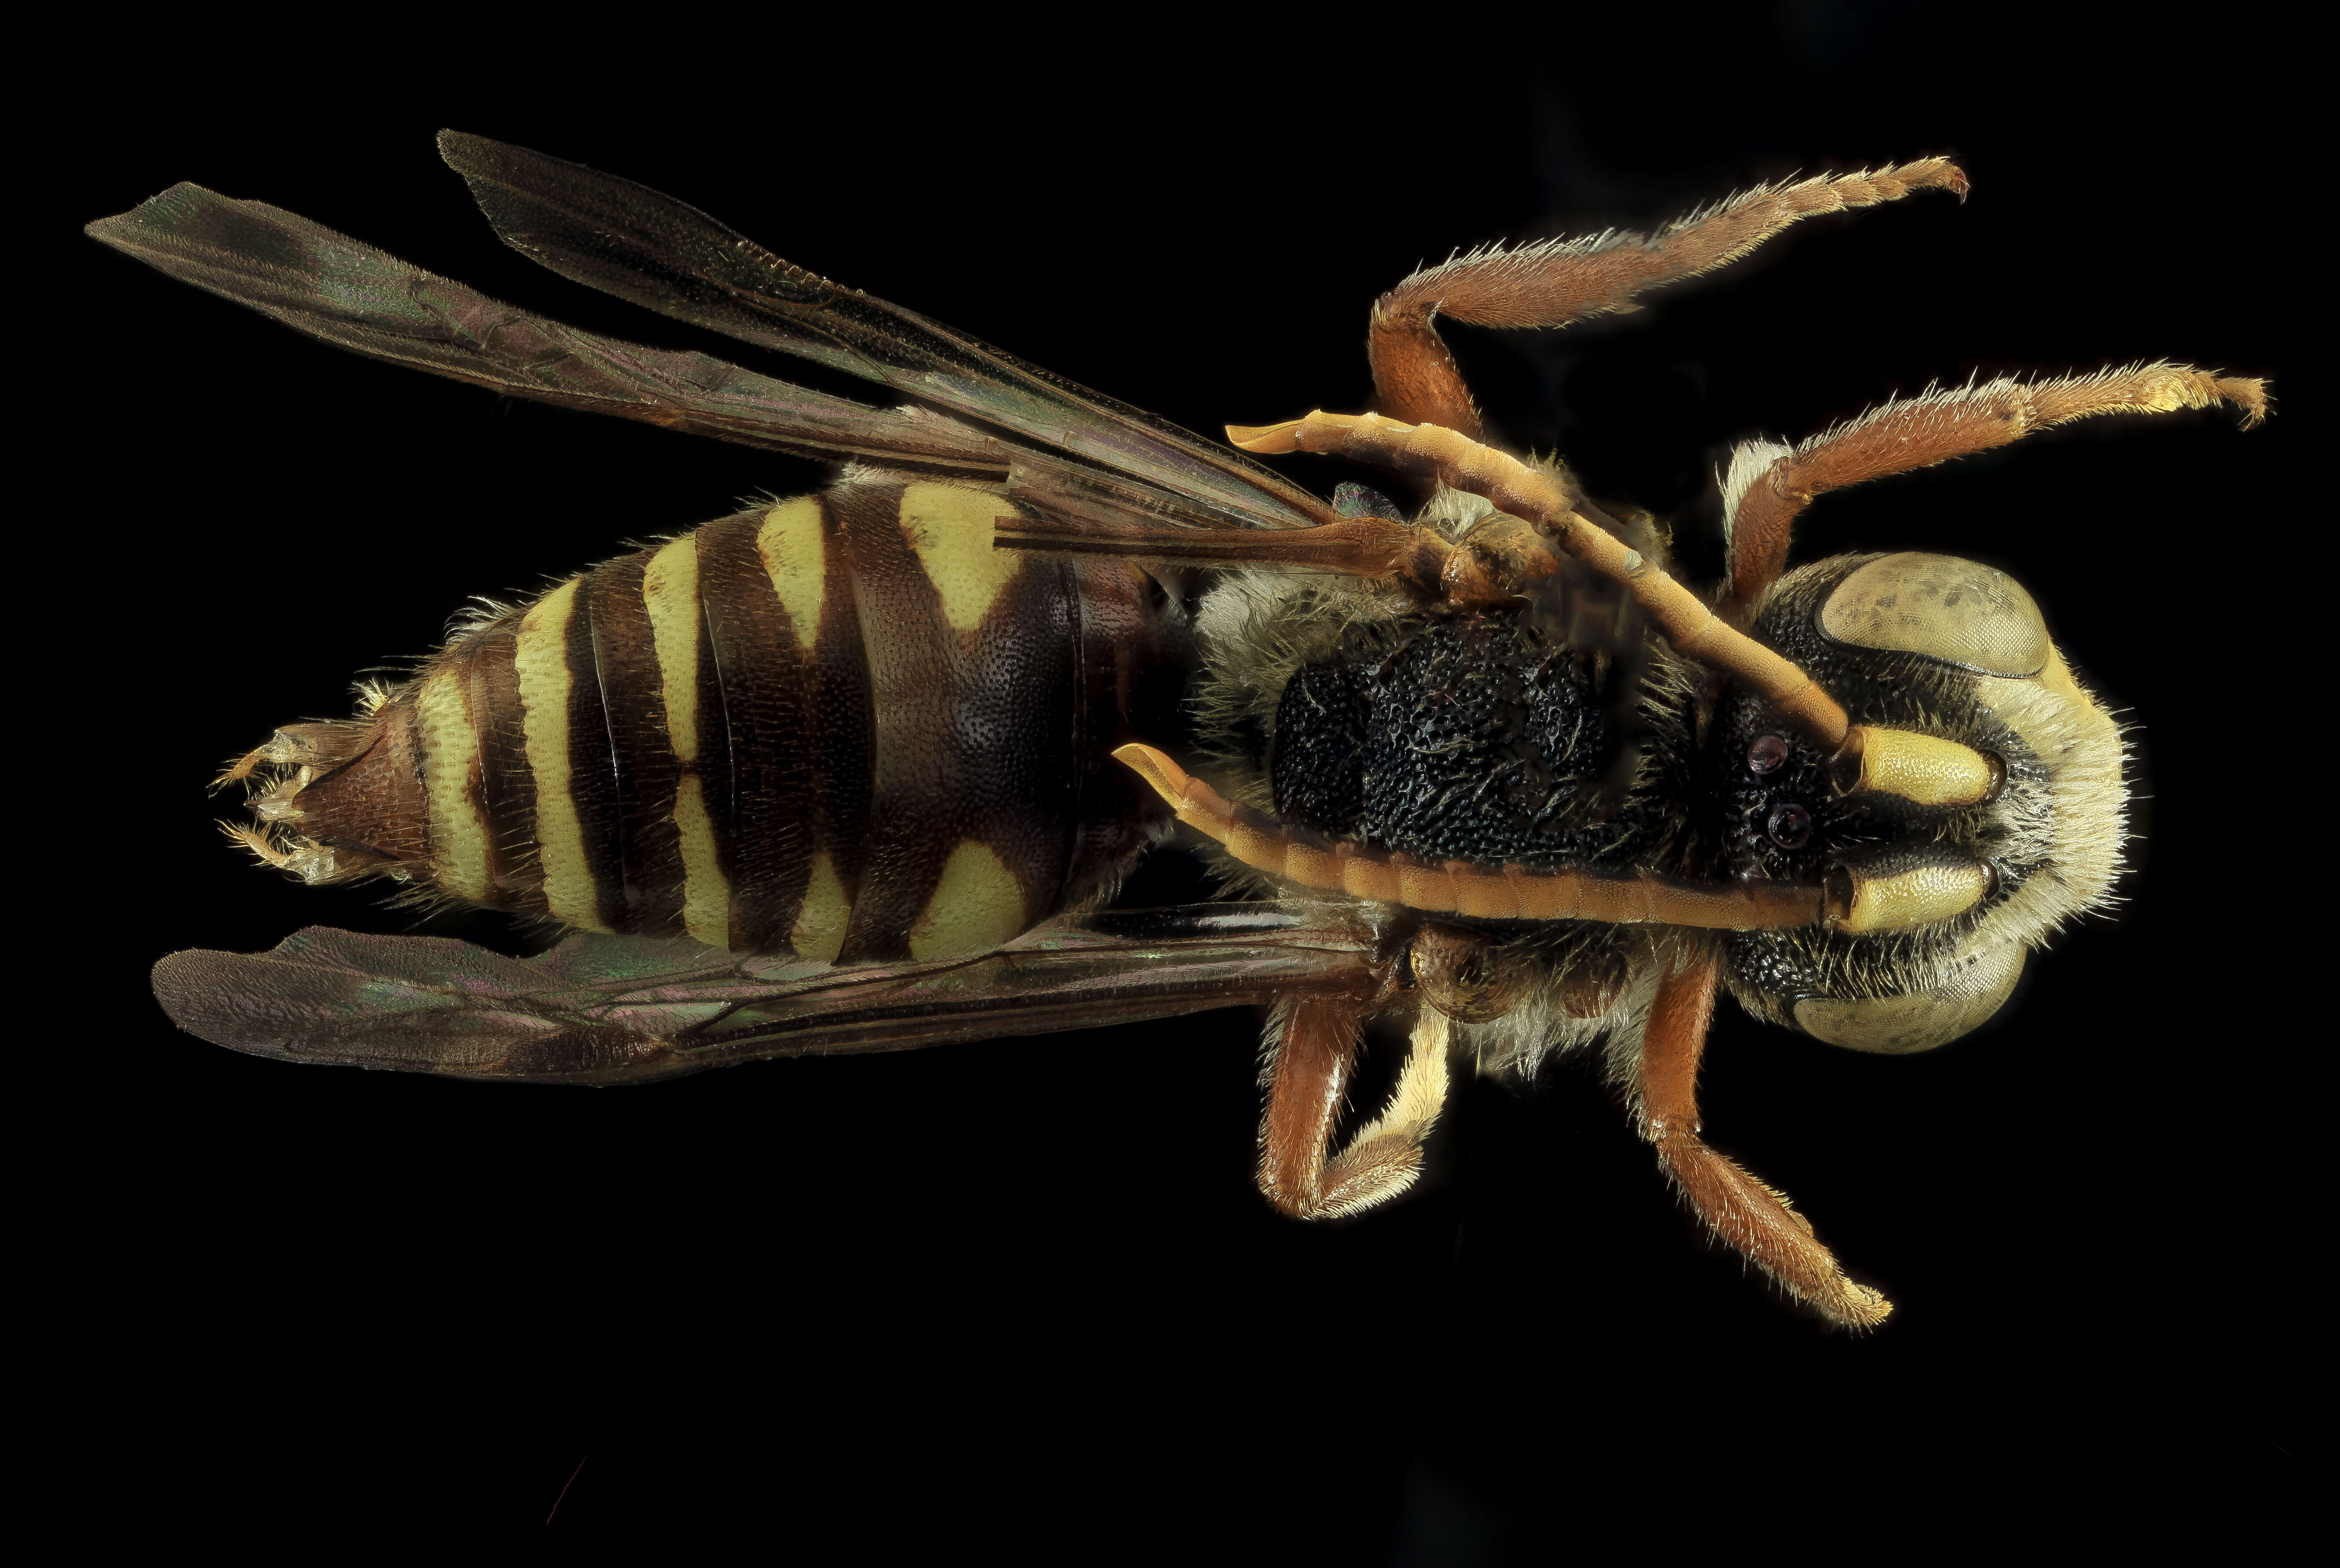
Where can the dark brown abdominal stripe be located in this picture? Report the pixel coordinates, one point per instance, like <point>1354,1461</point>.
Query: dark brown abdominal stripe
<point>843,725</point>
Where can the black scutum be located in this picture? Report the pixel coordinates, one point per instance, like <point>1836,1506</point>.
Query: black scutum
<point>1318,770</point>
<point>1476,739</point>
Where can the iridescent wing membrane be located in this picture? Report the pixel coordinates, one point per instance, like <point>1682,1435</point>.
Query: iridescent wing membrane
<point>604,1009</point>
<point>632,242</point>
<point>628,1010</point>
<point>1054,444</point>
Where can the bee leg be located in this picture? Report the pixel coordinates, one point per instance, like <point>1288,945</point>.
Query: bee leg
<point>1552,284</point>
<point>1312,1047</point>
<point>1547,500</point>
<point>1768,485</point>
<point>1758,1222</point>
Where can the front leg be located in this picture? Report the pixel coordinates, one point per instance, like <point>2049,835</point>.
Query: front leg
<point>1312,1047</point>
<point>1767,486</point>
<point>1758,1223</point>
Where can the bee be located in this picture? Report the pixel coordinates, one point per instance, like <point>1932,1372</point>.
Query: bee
<point>865,769</point>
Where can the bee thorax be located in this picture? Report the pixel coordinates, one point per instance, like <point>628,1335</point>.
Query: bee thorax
<point>1476,738</point>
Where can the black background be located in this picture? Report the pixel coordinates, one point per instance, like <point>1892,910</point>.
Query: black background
<point>1022,1292</point>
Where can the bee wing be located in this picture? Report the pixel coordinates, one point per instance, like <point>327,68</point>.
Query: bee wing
<point>349,294</point>
<point>632,242</point>
<point>625,1009</point>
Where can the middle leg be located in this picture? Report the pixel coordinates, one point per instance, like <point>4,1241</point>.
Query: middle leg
<point>1314,1048</point>
<point>1548,501</point>
<point>1415,379</point>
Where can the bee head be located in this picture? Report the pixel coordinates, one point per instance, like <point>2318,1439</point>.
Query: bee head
<point>1930,907</point>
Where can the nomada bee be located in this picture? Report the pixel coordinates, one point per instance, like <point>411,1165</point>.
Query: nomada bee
<point>863,770</point>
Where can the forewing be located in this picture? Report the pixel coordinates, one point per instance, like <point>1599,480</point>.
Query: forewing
<point>632,242</point>
<point>623,1009</point>
<point>349,294</point>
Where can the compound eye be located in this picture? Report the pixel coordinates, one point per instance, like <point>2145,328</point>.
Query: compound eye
<point>1973,986</point>
<point>1959,612</point>
<point>1766,754</point>
<point>1790,825</point>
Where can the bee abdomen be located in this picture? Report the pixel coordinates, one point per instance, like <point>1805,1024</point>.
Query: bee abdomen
<point>843,726</point>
